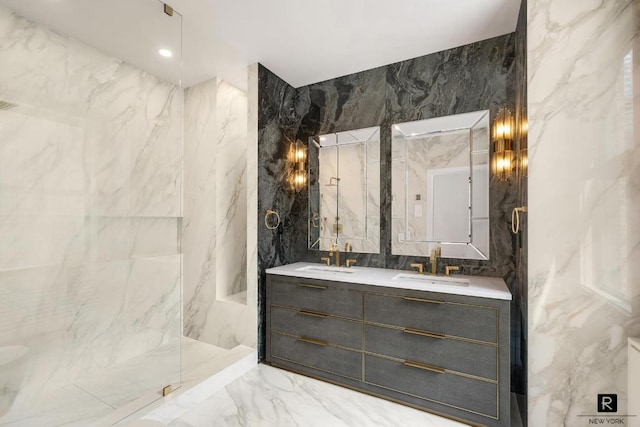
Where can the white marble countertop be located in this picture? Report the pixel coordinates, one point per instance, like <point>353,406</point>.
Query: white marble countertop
<point>634,342</point>
<point>478,286</point>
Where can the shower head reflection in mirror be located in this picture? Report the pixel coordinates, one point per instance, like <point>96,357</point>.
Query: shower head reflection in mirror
<point>344,190</point>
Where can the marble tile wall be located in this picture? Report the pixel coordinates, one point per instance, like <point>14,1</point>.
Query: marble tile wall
<point>90,195</point>
<point>214,236</point>
<point>252,197</point>
<point>474,77</point>
<point>584,199</point>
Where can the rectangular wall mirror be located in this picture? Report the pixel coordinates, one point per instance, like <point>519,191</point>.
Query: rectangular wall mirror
<point>344,191</point>
<point>440,186</point>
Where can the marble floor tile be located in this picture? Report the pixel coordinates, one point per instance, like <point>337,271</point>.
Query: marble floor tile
<point>108,396</point>
<point>120,384</point>
<point>267,396</point>
<point>68,406</point>
<point>205,370</point>
<point>168,365</point>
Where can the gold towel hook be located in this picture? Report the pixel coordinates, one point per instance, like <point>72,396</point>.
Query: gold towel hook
<point>267,214</point>
<point>515,218</point>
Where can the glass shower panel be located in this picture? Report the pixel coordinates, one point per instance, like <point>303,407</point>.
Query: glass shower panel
<point>90,208</point>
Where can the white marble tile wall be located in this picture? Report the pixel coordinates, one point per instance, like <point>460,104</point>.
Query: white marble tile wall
<point>214,242</point>
<point>231,197</point>
<point>252,196</point>
<point>90,195</point>
<point>584,199</point>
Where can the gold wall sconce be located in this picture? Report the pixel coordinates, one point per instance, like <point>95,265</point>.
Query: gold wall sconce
<point>502,135</point>
<point>297,166</point>
<point>523,158</point>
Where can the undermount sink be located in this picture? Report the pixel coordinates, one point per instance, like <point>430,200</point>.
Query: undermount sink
<point>431,280</point>
<point>326,269</point>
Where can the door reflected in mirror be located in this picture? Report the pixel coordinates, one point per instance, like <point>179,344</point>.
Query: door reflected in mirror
<point>440,186</point>
<point>344,190</point>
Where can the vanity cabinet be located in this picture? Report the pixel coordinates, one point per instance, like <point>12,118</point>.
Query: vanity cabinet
<point>444,353</point>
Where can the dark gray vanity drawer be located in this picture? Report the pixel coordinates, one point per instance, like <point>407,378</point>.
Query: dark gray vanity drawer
<point>461,320</point>
<point>346,333</point>
<point>464,393</point>
<point>466,357</point>
<point>314,296</point>
<point>324,357</point>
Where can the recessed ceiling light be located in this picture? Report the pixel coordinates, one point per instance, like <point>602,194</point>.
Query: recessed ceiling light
<point>166,53</point>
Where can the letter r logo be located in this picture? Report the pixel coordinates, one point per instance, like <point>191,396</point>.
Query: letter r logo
<point>607,403</point>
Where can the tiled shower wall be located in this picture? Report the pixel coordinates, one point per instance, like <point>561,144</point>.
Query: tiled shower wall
<point>479,76</point>
<point>219,302</point>
<point>90,200</point>
<point>584,200</point>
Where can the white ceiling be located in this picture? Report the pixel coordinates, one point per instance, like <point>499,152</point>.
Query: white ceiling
<point>302,41</point>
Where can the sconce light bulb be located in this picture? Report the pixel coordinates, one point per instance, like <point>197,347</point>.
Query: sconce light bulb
<point>524,159</point>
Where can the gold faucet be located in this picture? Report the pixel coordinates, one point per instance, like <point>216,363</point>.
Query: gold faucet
<point>435,254</point>
<point>326,259</point>
<point>348,247</point>
<point>335,248</point>
<point>449,268</point>
<point>349,262</point>
<point>419,266</point>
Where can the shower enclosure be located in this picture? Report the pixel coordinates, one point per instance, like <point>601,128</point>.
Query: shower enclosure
<point>90,208</point>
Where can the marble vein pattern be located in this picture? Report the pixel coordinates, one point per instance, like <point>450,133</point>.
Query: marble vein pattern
<point>252,198</point>
<point>215,224</point>
<point>267,396</point>
<point>470,78</point>
<point>94,401</point>
<point>584,196</point>
<point>90,195</point>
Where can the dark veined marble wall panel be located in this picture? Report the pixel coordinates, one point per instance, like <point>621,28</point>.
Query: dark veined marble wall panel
<point>520,288</point>
<point>474,77</point>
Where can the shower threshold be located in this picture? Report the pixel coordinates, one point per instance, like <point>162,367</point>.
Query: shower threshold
<point>124,390</point>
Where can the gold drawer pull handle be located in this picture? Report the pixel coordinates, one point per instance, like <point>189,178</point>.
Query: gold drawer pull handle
<point>423,333</point>
<point>430,301</point>
<point>312,313</point>
<point>304,285</point>
<point>313,341</point>
<point>419,365</point>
